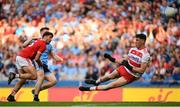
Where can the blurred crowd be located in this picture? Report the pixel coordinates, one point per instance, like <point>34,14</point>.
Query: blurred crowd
<point>85,29</point>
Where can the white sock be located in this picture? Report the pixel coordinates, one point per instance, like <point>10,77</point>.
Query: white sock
<point>17,75</point>
<point>12,71</point>
<point>93,88</point>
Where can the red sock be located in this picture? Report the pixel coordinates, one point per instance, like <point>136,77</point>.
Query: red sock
<point>13,92</point>
<point>96,87</point>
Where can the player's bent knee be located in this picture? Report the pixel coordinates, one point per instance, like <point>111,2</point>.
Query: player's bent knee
<point>54,81</point>
<point>22,81</point>
<point>51,78</point>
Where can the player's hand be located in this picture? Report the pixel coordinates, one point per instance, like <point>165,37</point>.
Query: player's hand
<point>109,57</point>
<point>126,64</point>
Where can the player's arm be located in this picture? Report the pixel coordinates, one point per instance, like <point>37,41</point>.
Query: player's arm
<point>27,42</point>
<point>37,58</point>
<point>119,61</point>
<point>56,57</point>
<point>141,69</point>
<point>113,59</point>
<point>40,50</point>
<point>144,64</point>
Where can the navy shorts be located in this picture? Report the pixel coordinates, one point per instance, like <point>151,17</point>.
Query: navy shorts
<point>43,68</point>
<point>46,69</point>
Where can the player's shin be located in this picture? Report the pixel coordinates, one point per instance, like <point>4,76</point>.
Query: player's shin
<point>40,79</point>
<point>13,93</point>
<point>18,86</point>
<point>103,79</point>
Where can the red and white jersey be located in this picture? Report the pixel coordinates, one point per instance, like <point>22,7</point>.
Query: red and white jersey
<point>136,57</point>
<point>31,50</point>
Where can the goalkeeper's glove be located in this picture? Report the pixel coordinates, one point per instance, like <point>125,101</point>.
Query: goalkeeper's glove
<point>126,64</point>
<point>109,57</point>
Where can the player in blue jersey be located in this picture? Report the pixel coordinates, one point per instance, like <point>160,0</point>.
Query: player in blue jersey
<point>47,74</point>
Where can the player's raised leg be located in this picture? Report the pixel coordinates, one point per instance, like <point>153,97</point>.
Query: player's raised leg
<point>117,83</point>
<point>29,72</point>
<point>123,78</point>
<point>104,78</point>
<point>18,85</point>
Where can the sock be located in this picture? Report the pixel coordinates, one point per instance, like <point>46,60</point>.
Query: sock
<point>11,71</point>
<point>13,93</point>
<point>93,88</point>
<point>17,75</point>
<point>36,96</point>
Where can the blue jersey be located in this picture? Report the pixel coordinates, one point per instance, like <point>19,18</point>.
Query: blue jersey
<point>45,54</point>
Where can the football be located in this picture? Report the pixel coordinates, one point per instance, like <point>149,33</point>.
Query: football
<point>170,11</point>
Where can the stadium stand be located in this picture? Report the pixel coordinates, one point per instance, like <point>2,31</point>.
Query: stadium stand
<point>85,29</point>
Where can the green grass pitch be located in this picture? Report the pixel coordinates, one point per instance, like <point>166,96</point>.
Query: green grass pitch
<point>90,104</point>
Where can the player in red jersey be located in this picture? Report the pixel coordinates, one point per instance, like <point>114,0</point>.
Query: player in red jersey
<point>24,62</point>
<point>131,68</point>
<point>44,74</point>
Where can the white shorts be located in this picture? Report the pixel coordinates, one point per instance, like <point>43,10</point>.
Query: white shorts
<point>22,62</point>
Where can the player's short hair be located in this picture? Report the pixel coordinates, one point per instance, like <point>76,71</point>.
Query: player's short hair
<point>47,33</point>
<point>44,28</point>
<point>141,36</point>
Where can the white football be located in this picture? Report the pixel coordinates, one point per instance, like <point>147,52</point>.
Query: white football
<point>170,11</point>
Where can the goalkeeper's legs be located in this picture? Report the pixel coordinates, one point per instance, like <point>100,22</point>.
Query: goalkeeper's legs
<point>110,76</point>
<point>117,83</point>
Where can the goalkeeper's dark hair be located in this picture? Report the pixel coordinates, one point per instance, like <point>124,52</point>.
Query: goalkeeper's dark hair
<point>47,33</point>
<point>141,36</point>
<point>44,28</point>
